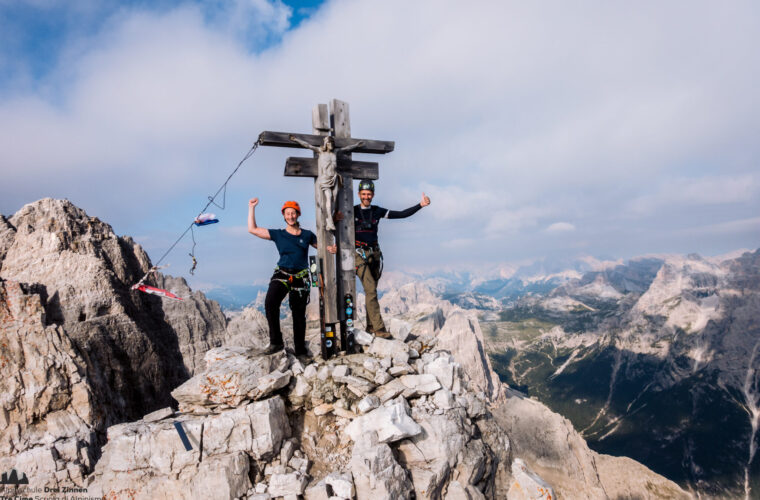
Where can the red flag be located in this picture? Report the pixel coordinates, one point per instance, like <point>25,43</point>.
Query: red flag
<point>156,291</point>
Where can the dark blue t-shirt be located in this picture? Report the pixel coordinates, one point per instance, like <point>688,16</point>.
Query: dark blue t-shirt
<point>294,250</point>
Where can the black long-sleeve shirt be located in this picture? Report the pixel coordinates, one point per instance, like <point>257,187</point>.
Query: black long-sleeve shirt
<point>366,221</point>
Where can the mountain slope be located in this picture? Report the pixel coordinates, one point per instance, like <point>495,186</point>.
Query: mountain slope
<point>656,360</point>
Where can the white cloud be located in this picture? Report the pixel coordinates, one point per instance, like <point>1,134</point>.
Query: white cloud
<point>511,115</point>
<point>686,192</point>
<point>235,230</point>
<point>749,225</point>
<point>461,243</point>
<point>256,18</point>
<point>514,219</point>
<point>560,227</point>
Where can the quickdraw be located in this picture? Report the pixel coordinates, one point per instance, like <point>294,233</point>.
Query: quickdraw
<point>195,264</point>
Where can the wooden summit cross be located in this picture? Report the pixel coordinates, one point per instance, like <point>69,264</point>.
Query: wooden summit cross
<point>341,279</point>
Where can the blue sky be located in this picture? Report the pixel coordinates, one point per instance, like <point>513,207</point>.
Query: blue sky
<point>539,130</point>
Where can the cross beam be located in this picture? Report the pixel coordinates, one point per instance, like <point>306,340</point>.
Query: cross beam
<point>297,166</point>
<point>282,139</point>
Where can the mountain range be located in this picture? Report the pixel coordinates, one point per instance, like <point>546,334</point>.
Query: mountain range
<point>656,359</point>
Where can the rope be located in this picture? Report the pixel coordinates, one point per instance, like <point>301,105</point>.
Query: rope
<point>223,188</point>
<point>192,251</point>
<point>211,200</point>
<point>151,270</point>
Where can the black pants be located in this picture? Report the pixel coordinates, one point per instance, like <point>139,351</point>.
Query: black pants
<point>298,300</point>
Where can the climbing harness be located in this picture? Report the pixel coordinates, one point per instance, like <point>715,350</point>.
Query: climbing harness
<point>302,275</point>
<point>202,219</point>
<point>369,253</point>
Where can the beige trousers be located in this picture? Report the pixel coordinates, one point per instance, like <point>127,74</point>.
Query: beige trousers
<point>374,319</point>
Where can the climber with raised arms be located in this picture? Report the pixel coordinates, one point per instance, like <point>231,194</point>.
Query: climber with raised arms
<point>290,274</point>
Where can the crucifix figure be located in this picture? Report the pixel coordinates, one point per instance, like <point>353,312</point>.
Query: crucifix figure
<point>330,165</point>
<point>328,178</point>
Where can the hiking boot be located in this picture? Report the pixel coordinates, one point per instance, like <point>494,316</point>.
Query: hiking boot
<point>382,334</point>
<point>273,348</point>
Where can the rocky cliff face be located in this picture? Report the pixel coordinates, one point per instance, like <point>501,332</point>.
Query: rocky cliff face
<point>128,350</point>
<point>48,411</point>
<point>657,360</point>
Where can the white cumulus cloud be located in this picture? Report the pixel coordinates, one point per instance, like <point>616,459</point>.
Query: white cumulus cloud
<point>560,227</point>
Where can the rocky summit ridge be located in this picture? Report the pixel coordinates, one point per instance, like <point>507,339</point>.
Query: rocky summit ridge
<point>96,380</point>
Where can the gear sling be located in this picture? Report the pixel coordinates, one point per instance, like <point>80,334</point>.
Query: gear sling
<point>372,259</point>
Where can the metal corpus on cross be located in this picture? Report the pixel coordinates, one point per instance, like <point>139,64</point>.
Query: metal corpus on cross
<point>339,277</point>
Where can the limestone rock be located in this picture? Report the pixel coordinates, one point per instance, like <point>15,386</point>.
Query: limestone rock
<point>222,476</point>
<point>342,484</point>
<point>363,338</point>
<point>340,371</point>
<point>443,399</point>
<point>7,235</point>
<point>400,329</point>
<point>432,454</point>
<point>527,484</point>
<point>461,335</point>
<point>367,404</point>
<point>248,329</point>
<point>400,370</point>
<point>233,376</point>
<point>443,367</point>
<point>158,415</point>
<point>389,390</point>
<point>138,451</point>
<point>420,384</point>
<point>391,423</point>
<point>376,472</point>
<point>317,491</point>
<point>394,349</point>
<point>293,483</point>
<point>457,491</point>
<point>382,377</point>
<point>47,408</point>
<point>286,451</point>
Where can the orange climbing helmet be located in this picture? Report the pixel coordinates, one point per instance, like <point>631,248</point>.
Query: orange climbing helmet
<point>292,204</point>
